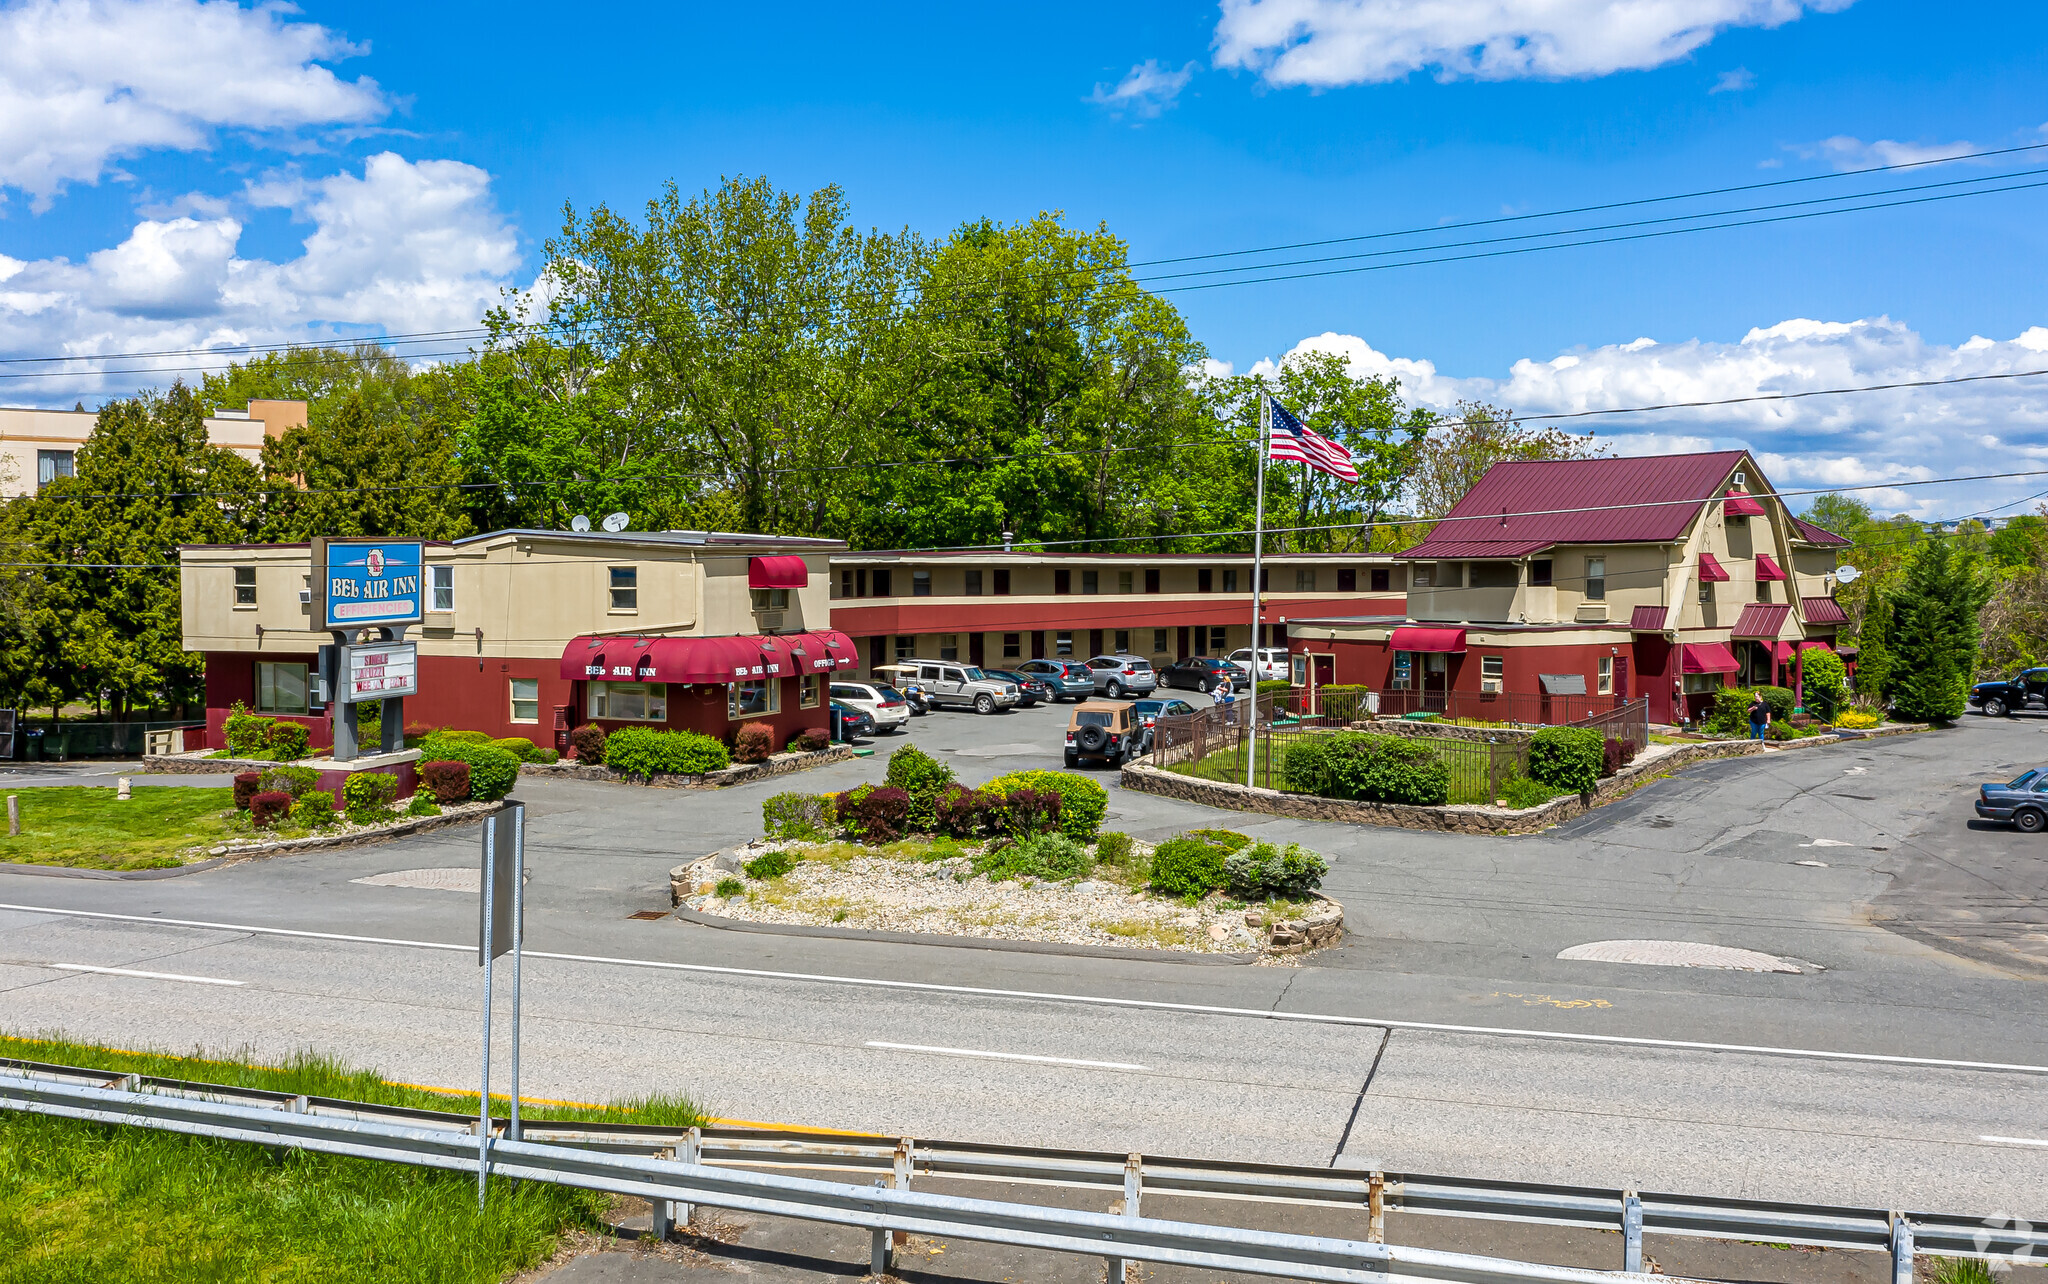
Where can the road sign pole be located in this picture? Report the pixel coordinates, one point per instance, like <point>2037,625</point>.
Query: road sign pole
<point>483,1130</point>
<point>518,942</point>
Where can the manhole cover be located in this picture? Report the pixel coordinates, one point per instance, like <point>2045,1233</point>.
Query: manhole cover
<point>649,915</point>
<point>466,878</point>
<point>1678,954</point>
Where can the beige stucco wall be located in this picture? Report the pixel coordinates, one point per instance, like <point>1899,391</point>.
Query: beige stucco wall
<point>24,431</point>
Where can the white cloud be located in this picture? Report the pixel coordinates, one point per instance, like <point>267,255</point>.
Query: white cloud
<point>1861,439</point>
<point>84,83</point>
<point>1734,82</point>
<point>1147,90</point>
<point>404,246</point>
<point>1844,152</point>
<point>1325,43</point>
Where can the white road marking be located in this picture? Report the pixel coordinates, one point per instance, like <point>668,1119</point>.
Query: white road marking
<point>1817,864</point>
<point>1003,1056</point>
<point>1092,1000</point>
<point>147,976</point>
<point>2016,1141</point>
<point>1819,842</point>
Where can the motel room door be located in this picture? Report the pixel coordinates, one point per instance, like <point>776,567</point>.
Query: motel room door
<point>1436,680</point>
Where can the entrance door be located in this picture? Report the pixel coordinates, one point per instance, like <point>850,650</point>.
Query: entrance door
<point>1436,674</point>
<point>1621,678</point>
<point>975,650</point>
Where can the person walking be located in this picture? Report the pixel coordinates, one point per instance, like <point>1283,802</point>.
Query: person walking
<point>1227,697</point>
<point>1759,716</point>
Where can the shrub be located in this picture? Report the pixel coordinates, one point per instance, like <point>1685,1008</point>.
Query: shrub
<point>921,776</point>
<point>1523,793</point>
<point>1566,758</point>
<point>247,733</point>
<point>1780,731</point>
<point>422,804</point>
<point>1228,839</point>
<point>1187,866</point>
<point>587,743</point>
<point>645,752</point>
<point>810,740</point>
<point>419,730</point>
<point>464,737</point>
<point>1083,802</point>
<point>1854,719</point>
<point>799,817</point>
<point>1363,765</point>
<point>545,755</point>
<point>314,809</point>
<point>960,812</point>
<point>1113,848</point>
<point>1263,872</point>
<point>1730,711</point>
<point>247,785</point>
<point>291,780</point>
<point>753,742</point>
<point>877,815</point>
<point>1043,856</point>
<point>1827,681</point>
<point>368,794</point>
<point>729,887</point>
<point>268,806</point>
<point>1022,812</point>
<point>518,746</point>
<point>1616,754</point>
<point>492,772</point>
<point>447,781</point>
<point>287,741</point>
<point>770,865</point>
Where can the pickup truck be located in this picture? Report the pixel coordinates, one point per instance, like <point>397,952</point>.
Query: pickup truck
<point>2027,689</point>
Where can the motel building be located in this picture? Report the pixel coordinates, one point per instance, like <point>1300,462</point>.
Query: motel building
<point>529,633</point>
<point>995,609</point>
<point>1559,588</point>
<point>39,446</point>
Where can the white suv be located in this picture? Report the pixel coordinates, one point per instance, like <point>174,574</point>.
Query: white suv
<point>1272,663</point>
<point>885,705</point>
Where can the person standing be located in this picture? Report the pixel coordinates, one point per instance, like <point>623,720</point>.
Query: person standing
<point>1759,716</point>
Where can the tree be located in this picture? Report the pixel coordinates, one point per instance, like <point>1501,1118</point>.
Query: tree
<point>1458,451</point>
<point>1933,632</point>
<point>2022,541</point>
<point>353,471</point>
<point>1838,514</point>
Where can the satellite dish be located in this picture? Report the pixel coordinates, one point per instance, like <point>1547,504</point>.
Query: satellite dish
<point>1846,574</point>
<point>579,523</point>
<point>616,522</point>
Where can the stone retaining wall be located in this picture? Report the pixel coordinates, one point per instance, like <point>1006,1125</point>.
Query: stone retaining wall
<point>781,764</point>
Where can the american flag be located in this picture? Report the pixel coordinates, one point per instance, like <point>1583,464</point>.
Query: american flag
<point>1294,442</point>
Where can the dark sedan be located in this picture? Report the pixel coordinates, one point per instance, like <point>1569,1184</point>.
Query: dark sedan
<point>853,723</point>
<point>1202,673</point>
<point>1149,712</point>
<point>1071,678</point>
<point>1031,687</point>
<point>2021,801</point>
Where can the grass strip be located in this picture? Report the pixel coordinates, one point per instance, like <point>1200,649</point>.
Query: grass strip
<point>85,1203</point>
<point>89,827</point>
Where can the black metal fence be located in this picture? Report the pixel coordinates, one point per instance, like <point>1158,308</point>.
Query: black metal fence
<point>55,741</point>
<point>1630,722</point>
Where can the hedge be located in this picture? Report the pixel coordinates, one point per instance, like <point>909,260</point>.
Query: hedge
<point>368,794</point>
<point>1083,803</point>
<point>645,752</point>
<point>492,772</point>
<point>1730,712</point>
<point>1187,866</point>
<point>1368,767</point>
<point>287,741</point>
<point>314,809</point>
<point>1567,758</point>
<point>287,779</point>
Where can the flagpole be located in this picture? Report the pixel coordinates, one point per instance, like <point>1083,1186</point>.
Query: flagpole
<point>1258,568</point>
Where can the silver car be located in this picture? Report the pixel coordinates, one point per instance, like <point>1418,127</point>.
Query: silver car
<point>1117,676</point>
<point>964,686</point>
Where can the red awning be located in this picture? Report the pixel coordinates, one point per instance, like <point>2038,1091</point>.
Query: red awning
<point>1781,651</point>
<point>1738,504</point>
<point>1444,641</point>
<point>1766,569</point>
<point>777,572</point>
<point>1706,657</point>
<point>822,650</point>
<point>1710,569</point>
<point>1822,610</point>
<point>776,657</point>
<point>1812,643</point>
<point>723,659</point>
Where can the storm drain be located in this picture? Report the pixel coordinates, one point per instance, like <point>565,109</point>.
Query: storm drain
<point>1679,954</point>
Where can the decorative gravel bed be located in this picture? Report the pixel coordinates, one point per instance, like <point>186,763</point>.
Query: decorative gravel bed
<point>932,888</point>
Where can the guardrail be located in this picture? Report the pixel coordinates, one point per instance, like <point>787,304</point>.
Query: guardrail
<point>899,1160</point>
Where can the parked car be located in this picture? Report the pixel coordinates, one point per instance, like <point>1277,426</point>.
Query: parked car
<point>1149,712</point>
<point>1117,676</point>
<point>1272,666</point>
<point>963,686</point>
<point>1031,688</point>
<point>2023,690</point>
<point>1072,678</point>
<point>886,705</point>
<point>1108,733</point>
<point>1203,673</point>
<point>853,724</point>
<point>2022,801</point>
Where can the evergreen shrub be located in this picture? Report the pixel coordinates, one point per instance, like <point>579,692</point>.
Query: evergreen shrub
<point>1567,758</point>
<point>645,752</point>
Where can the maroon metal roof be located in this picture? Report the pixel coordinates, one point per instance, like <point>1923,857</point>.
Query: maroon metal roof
<point>1574,501</point>
<point>1646,619</point>
<point>1815,535</point>
<point>1759,620</point>
<point>1822,610</point>
<point>1432,548</point>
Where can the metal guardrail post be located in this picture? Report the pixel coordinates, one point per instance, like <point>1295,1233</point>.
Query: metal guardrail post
<point>1631,1231</point>
<point>881,1245</point>
<point>1134,1188</point>
<point>1376,1208</point>
<point>661,1223</point>
<point>1902,1250</point>
<point>693,1153</point>
<point>906,1149</point>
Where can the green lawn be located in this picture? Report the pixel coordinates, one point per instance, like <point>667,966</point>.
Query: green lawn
<point>89,828</point>
<point>89,1203</point>
<point>1469,771</point>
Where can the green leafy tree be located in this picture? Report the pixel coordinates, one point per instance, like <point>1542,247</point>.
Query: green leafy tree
<point>1460,449</point>
<point>2021,542</point>
<point>1932,636</point>
<point>355,471</point>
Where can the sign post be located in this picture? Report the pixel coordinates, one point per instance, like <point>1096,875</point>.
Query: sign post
<point>500,928</point>
<point>360,585</point>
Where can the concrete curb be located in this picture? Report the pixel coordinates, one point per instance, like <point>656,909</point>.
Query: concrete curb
<point>117,875</point>
<point>402,829</point>
<point>962,942</point>
<point>744,773</point>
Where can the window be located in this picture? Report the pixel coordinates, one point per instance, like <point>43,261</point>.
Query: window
<point>1605,681</point>
<point>1216,642</point>
<point>971,583</point>
<point>770,599</point>
<point>1062,644</point>
<point>1013,646</point>
<point>760,695</point>
<point>1539,573</point>
<point>1062,580</point>
<point>1124,581</point>
<point>629,701</point>
<point>1304,579</point>
<point>1737,519</point>
<point>1089,582</point>
<point>1347,580</point>
<point>1152,581</point>
<point>860,583</point>
<point>1159,642</point>
<point>1123,641</point>
<point>1230,580</point>
<point>906,648</point>
<point>1404,671</point>
<point>846,583</point>
<point>920,584</point>
<point>1450,575</point>
<point>1698,682</point>
<point>1495,575</point>
<point>949,646</point>
<point>810,692</point>
<point>625,588</point>
<point>526,699</point>
<point>1002,581</point>
<point>444,588</point>
<point>1706,591</point>
<point>1382,580</point>
<point>1492,666</point>
<point>1421,575</point>
<point>245,586</point>
<point>1205,581</point>
<point>1596,579</point>
<point>1763,590</point>
<point>52,464</point>
<point>880,585</point>
<point>280,688</point>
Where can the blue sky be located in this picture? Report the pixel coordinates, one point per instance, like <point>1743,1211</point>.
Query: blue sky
<point>242,175</point>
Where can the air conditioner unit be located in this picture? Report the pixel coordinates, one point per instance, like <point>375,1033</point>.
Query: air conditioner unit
<point>769,619</point>
<point>1489,686</point>
<point>305,597</point>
